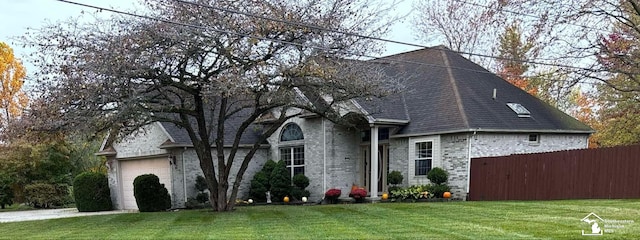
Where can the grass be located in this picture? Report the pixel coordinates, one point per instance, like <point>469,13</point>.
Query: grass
<point>433,220</point>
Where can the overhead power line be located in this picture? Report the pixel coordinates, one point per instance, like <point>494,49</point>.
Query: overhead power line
<point>375,38</point>
<point>374,58</point>
<point>528,15</point>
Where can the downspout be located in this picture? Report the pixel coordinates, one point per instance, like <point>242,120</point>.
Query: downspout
<point>469,163</point>
<point>184,176</point>
<point>324,156</point>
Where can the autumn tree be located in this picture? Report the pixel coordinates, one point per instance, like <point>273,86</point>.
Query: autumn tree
<point>513,58</point>
<point>203,64</point>
<point>12,99</point>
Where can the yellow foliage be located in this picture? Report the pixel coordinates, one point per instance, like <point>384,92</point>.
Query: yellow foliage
<point>12,99</point>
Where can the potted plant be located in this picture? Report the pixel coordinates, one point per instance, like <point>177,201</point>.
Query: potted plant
<point>332,195</point>
<point>358,194</point>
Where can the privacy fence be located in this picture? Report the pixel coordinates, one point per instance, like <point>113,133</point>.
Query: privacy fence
<point>574,174</point>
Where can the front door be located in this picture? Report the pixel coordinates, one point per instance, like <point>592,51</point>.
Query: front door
<point>383,168</point>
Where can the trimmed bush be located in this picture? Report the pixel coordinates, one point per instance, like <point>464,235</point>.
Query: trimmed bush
<point>301,181</point>
<point>395,177</point>
<point>258,188</point>
<point>44,195</point>
<point>91,192</point>
<point>267,169</point>
<point>298,193</point>
<point>280,181</point>
<point>438,175</point>
<point>201,183</point>
<point>151,196</point>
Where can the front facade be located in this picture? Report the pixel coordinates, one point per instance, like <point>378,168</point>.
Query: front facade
<point>452,111</point>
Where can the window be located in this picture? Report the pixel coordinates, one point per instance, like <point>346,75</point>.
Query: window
<point>423,157</point>
<point>292,151</point>
<point>293,157</point>
<point>522,111</point>
<point>534,138</point>
<point>291,132</point>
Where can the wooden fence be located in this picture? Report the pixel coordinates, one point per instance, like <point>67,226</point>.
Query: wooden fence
<point>574,174</point>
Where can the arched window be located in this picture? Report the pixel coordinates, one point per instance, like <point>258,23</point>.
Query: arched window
<point>291,132</point>
<point>291,149</point>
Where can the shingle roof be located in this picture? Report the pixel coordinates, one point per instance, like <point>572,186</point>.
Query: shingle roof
<point>181,137</point>
<point>445,92</point>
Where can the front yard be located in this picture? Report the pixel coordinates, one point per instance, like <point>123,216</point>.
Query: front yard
<point>457,220</point>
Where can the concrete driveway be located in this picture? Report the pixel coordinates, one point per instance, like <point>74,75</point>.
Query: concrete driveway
<point>19,216</point>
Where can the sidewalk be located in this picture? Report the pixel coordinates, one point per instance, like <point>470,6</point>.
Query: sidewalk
<point>19,216</point>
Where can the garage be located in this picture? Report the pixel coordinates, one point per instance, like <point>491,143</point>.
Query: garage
<point>130,169</point>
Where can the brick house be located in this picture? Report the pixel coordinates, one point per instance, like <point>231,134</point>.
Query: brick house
<point>452,110</point>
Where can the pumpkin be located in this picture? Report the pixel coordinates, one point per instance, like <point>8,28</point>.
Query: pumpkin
<point>385,196</point>
<point>286,199</point>
<point>446,195</point>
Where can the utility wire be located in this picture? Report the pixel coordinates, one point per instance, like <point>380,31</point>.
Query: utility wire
<point>378,38</point>
<point>373,58</point>
<point>528,15</point>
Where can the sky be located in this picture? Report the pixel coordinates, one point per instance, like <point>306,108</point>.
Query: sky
<point>16,16</point>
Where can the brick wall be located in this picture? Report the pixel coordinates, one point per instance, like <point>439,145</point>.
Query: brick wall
<point>327,146</point>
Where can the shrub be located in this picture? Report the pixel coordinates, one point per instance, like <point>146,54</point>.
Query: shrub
<point>438,190</point>
<point>260,182</point>
<point>412,193</point>
<point>6,193</point>
<point>91,192</point>
<point>151,196</point>
<point>201,183</point>
<point>437,175</point>
<point>268,167</point>
<point>394,177</point>
<point>44,195</point>
<point>280,181</point>
<point>258,188</point>
<point>301,181</point>
<point>298,193</point>
<point>393,189</point>
<point>202,197</point>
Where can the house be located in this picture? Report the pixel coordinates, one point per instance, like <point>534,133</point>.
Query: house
<point>452,110</point>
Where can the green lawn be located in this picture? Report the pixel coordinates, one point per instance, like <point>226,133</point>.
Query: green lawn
<point>455,220</point>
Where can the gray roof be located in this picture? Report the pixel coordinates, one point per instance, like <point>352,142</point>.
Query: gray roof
<point>181,137</point>
<point>445,92</point>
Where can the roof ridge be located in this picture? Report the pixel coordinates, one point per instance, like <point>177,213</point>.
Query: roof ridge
<point>456,93</point>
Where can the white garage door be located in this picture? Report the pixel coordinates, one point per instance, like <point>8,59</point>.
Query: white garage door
<point>133,168</point>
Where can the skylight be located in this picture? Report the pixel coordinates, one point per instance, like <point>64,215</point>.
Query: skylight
<point>519,109</point>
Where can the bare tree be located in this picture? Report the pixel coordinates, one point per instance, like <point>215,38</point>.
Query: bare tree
<point>203,64</point>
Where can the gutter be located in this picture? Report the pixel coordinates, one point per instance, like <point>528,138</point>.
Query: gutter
<point>487,130</point>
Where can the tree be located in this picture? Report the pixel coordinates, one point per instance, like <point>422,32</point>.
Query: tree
<point>202,65</point>
<point>12,99</point>
<point>618,115</point>
<point>513,55</point>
